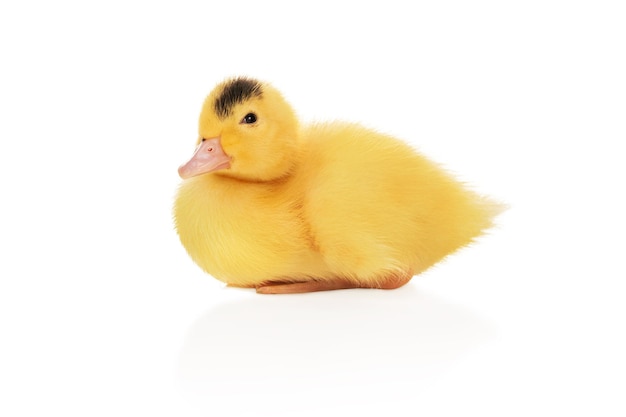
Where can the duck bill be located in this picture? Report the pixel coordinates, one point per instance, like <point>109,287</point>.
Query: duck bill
<point>209,156</point>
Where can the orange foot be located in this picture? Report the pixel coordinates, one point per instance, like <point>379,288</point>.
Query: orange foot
<point>392,282</point>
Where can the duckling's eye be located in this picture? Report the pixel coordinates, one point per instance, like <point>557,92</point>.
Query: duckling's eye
<point>249,118</point>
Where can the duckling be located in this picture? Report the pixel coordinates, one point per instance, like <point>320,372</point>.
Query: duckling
<point>270,204</point>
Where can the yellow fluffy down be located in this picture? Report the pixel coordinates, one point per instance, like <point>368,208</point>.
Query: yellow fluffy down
<point>319,202</point>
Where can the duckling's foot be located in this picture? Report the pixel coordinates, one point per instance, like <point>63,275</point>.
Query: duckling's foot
<point>389,283</point>
<point>309,286</point>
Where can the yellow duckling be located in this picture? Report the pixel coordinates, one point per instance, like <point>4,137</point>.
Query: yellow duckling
<point>283,208</point>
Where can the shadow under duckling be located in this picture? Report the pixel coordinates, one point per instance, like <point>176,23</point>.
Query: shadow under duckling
<point>283,208</point>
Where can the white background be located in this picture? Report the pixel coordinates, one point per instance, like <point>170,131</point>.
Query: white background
<point>103,313</point>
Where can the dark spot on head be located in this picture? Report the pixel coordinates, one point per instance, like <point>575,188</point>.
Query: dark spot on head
<point>235,92</point>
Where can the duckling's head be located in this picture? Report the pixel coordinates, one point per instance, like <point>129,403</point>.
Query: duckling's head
<point>247,131</point>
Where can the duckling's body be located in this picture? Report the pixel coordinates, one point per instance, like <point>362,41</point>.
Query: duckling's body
<point>332,206</point>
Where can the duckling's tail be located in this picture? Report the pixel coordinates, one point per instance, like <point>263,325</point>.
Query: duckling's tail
<point>470,219</point>
<point>491,207</point>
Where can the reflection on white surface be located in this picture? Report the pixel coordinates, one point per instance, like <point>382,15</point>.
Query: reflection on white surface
<point>326,350</point>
